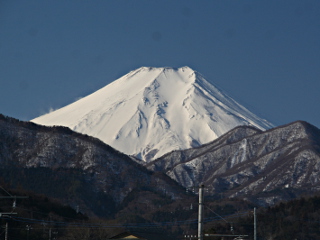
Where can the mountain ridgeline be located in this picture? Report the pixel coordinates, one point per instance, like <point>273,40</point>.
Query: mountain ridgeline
<point>153,111</point>
<point>77,169</point>
<point>263,167</point>
<point>128,152</point>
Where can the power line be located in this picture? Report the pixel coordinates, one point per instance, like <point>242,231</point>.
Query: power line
<point>42,213</point>
<point>159,224</point>
<point>5,190</point>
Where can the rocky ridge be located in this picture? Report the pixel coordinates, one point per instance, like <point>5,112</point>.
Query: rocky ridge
<point>264,167</point>
<point>56,156</point>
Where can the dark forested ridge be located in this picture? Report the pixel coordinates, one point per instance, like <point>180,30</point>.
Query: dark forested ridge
<point>263,167</point>
<point>76,179</point>
<point>77,169</point>
<point>39,216</point>
<point>296,219</point>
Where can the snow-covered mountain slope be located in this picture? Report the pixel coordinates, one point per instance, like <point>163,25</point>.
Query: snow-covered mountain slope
<point>152,111</point>
<point>264,167</point>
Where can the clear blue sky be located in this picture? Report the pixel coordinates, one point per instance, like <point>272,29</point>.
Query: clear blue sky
<point>264,54</point>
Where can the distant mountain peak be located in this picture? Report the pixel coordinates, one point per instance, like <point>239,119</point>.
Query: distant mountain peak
<point>145,68</point>
<point>151,111</point>
<point>162,70</point>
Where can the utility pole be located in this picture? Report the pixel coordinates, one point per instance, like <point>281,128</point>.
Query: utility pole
<point>5,214</point>
<point>6,232</point>
<point>200,218</point>
<point>28,227</point>
<point>255,223</point>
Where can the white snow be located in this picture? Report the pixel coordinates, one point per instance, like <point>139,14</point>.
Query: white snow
<point>152,111</point>
<point>240,155</point>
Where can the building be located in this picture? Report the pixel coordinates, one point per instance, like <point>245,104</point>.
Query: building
<point>141,235</point>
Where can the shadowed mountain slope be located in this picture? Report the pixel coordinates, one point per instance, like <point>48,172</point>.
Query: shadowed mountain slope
<point>78,169</point>
<point>265,167</point>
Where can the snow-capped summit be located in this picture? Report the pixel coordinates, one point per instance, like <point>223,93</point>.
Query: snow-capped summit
<point>152,111</point>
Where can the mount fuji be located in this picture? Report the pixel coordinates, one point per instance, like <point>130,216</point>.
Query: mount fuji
<point>152,111</point>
